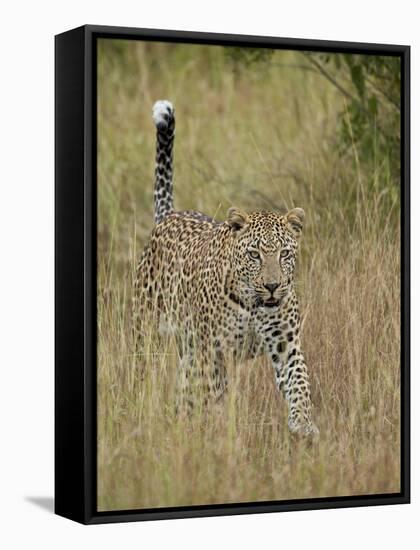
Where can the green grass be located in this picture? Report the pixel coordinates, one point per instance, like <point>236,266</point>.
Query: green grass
<point>258,137</point>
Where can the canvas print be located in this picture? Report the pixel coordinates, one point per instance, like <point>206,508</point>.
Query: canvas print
<point>248,264</point>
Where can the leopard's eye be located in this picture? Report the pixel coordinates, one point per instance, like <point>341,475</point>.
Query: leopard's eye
<point>284,253</point>
<point>253,254</point>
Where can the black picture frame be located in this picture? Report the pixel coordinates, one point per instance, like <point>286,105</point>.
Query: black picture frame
<point>75,274</point>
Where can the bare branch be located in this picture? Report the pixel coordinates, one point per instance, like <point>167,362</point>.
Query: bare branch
<point>333,81</point>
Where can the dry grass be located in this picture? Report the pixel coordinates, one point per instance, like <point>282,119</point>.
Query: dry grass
<point>261,138</point>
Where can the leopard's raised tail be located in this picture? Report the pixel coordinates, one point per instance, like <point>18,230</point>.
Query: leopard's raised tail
<point>164,119</point>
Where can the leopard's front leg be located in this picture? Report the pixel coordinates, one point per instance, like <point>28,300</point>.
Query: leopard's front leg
<point>291,374</point>
<point>202,373</point>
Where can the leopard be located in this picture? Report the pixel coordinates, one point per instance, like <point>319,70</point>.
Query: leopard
<point>225,288</point>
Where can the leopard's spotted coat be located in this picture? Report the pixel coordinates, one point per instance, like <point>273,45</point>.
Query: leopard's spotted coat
<point>226,288</point>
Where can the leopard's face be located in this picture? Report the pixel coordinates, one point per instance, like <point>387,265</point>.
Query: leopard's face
<point>264,253</point>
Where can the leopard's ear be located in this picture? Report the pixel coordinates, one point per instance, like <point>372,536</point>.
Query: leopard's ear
<point>295,219</point>
<point>236,218</point>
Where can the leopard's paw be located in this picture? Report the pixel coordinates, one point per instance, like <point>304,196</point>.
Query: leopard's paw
<point>307,429</point>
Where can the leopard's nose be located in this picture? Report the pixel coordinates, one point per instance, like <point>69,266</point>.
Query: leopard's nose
<point>271,287</point>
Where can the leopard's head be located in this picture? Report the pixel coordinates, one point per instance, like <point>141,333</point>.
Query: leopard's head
<point>264,249</point>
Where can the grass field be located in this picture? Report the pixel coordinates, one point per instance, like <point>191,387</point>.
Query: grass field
<point>257,137</point>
